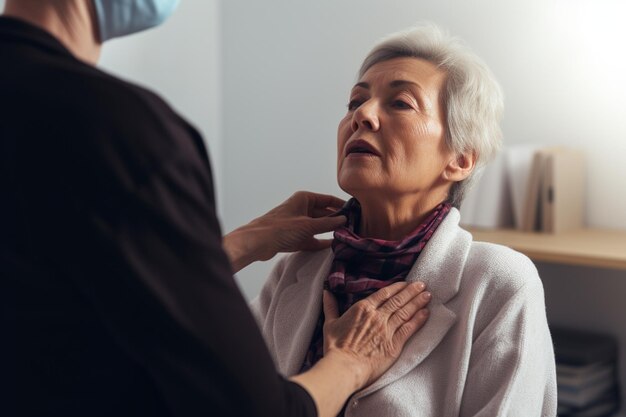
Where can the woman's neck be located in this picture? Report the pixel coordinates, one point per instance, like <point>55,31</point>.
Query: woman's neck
<point>394,219</point>
<point>72,22</point>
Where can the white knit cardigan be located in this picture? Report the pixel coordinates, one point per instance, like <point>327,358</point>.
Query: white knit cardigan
<point>485,351</point>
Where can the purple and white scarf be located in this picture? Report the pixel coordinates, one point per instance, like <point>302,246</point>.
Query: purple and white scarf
<point>362,266</point>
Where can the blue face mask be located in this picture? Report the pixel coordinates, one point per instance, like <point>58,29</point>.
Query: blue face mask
<point>124,17</point>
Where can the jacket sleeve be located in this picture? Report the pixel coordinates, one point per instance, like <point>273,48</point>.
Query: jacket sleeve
<point>153,268</point>
<point>512,368</point>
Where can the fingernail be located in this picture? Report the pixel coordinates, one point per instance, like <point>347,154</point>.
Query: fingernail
<point>427,295</point>
<point>424,312</point>
<point>420,285</point>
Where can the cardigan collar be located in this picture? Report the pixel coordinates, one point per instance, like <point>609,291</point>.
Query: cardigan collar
<point>440,266</point>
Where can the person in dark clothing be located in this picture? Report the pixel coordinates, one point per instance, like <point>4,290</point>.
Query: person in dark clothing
<point>116,288</point>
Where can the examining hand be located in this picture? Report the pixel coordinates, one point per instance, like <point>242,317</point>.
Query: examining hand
<point>290,227</point>
<point>373,331</point>
<point>363,343</point>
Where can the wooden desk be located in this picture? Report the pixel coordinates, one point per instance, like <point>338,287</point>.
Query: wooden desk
<point>586,247</point>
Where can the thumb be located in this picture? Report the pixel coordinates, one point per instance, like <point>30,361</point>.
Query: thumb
<point>327,224</point>
<point>331,309</point>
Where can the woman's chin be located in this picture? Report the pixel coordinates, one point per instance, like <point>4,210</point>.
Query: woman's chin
<point>357,189</point>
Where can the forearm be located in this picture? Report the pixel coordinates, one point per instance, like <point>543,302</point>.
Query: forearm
<point>331,382</point>
<point>236,244</point>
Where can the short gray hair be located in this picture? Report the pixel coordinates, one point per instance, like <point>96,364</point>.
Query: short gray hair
<point>472,97</point>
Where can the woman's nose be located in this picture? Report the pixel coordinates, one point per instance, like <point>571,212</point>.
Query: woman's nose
<point>365,117</point>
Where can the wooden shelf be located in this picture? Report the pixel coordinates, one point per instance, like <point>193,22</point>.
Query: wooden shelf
<point>586,247</point>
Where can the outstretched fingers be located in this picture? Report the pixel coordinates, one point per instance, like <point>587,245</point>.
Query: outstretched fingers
<point>410,327</point>
<point>396,302</point>
<point>384,295</point>
<point>409,309</point>
<point>404,305</point>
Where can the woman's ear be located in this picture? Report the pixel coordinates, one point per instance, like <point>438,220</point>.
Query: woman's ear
<point>460,167</point>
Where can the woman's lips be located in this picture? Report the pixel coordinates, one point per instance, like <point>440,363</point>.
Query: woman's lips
<point>360,148</point>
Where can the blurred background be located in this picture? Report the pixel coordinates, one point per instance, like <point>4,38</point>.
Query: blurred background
<point>266,81</point>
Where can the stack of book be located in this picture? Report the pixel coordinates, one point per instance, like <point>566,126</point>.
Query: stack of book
<point>586,365</point>
<point>529,187</point>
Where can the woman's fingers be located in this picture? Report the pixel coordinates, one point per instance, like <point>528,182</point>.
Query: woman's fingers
<point>395,296</point>
<point>412,290</point>
<point>410,327</point>
<point>408,311</point>
<point>381,296</point>
<point>326,224</point>
<point>401,303</point>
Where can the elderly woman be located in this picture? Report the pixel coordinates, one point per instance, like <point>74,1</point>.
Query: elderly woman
<point>421,120</point>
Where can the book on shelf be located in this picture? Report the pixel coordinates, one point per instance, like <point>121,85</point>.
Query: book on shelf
<point>604,406</point>
<point>519,160</point>
<point>583,376</point>
<point>583,397</point>
<point>529,209</point>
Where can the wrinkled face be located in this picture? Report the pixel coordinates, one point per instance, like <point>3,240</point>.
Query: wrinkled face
<point>391,141</point>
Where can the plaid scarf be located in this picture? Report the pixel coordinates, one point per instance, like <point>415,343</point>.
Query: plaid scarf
<point>362,266</point>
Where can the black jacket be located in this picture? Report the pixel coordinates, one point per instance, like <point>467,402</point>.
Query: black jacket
<point>116,297</point>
